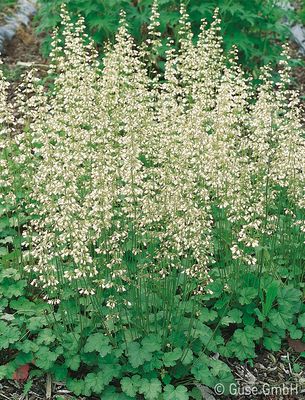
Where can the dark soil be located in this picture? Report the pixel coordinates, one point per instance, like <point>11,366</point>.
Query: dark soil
<point>298,72</point>
<point>21,54</point>
<point>11,390</point>
<point>24,47</point>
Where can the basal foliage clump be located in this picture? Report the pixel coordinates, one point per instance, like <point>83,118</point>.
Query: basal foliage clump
<point>155,211</point>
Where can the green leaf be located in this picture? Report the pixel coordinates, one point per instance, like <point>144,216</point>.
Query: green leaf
<point>23,358</point>
<point>94,383</point>
<point>301,320</point>
<point>98,342</point>
<point>3,251</point>
<point>242,352</point>
<point>27,387</point>
<point>170,358</point>
<point>247,295</point>
<point>188,357</point>
<point>178,393</point>
<point>207,315</point>
<point>71,343</point>
<point>36,323</point>
<point>73,362</point>
<point>196,394</point>
<point>247,336</point>
<point>60,372</point>
<point>76,386</point>
<point>3,304</point>
<point>9,290</point>
<point>130,386</point>
<point>110,393</point>
<point>154,364</point>
<point>152,343</point>
<point>272,343</point>
<point>243,342</point>
<point>289,299</point>
<point>27,346</point>
<point>151,389</point>
<point>8,335</point>
<point>3,372</point>
<point>267,297</point>
<point>233,317</point>
<point>137,355</point>
<point>9,273</point>
<point>297,368</point>
<point>261,317</point>
<point>25,306</point>
<point>281,318</point>
<point>46,336</point>
<point>295,333</point>
<point>44,358</point>
<point>202,374</point>
<point>110,370</point>
<point>204,332</point>
<point>7,317</point>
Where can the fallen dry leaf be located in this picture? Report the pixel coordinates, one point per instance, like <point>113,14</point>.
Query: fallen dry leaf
<point>296,344</point>
<point>22,373</point>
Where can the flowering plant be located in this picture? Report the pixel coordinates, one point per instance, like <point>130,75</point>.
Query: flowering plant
<point>143,192</point>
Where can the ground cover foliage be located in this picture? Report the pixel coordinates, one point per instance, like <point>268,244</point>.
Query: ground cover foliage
<point>152,227</point>
<point>255,27</point>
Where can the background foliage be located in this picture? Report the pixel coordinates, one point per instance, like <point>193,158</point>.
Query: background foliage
<point>255,26</point>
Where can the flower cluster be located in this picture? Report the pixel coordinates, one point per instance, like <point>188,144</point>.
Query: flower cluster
<point>132,177</point>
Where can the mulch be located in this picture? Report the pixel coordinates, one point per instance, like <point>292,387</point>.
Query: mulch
<point>13,390</point>
<point>21,54</point>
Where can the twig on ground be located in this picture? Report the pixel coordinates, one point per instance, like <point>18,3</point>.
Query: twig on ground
<point>49,386</point>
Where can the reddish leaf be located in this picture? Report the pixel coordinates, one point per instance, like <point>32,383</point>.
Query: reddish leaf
<point>297,345</point>
<point>22,373</point>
